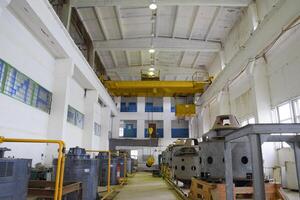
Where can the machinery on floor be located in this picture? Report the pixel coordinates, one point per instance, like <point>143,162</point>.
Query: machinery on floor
<point>185,161</point>
<point>205,160</point>
<point>14,177</point>
<point>79,167</point>
<point>225,154</point>
<point>211,153</point>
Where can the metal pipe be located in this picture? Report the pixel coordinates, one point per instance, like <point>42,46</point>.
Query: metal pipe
<point>109,162</point>
<point>60,162</point>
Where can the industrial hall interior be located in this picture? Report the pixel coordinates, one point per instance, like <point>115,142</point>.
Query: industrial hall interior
<point>149,99</point>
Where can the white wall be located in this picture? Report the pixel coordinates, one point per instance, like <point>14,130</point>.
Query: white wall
<point>62,70</point>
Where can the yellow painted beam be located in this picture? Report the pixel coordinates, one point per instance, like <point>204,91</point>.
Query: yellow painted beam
<point>155,88</point>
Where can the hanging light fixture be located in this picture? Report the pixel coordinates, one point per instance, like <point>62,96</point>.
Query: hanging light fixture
<point>151,69</point>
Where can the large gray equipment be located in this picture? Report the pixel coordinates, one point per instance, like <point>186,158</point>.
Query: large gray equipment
<point>212,163</point>
<point>167,155</point>
<point>185,162</point>
<point>120,166</point>
<point>80,167</point>
<point>211,152</point>
<point>14,177</point>
<point>103,169</point>
<point>129,165</point>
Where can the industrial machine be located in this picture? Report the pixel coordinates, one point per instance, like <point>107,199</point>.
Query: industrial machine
<point>205,160</point>
<point>120,166</point>
<point>129,165</point>
<point>185,161</point>
<point>211,152</point>
<point>14,177</point>
<point>103,169</point>
<point>168,153</point>
<point>80,167</point>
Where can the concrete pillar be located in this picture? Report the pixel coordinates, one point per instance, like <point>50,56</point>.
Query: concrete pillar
<point>167,104</point>
<point>141,104</point>
<point>59,107</point>
<point>261,92</point>
<point>116,123</point>
<point>140,128</point>
<point>105,127</point>
<point>167,128</point>
<point>89,108</point>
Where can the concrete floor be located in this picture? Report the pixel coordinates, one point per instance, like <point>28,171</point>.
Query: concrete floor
<point>144,186</point>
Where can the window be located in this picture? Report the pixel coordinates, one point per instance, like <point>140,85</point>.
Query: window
<point>296,106</point>
<point>20,87</point>
<point>134,154</point>
<point>97,129</point>
<point>288,112</point>
<point>121,132</point>
<point>75,117</point>
<point>285,113</point>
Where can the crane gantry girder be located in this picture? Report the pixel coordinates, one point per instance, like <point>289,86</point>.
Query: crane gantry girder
<point>155,88</point>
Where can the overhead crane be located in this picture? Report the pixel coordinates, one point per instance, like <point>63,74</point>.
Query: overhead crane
<point>156,88</point>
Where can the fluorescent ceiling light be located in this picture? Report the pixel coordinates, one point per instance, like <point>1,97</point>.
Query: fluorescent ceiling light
<point>153,6</point>
<point>151,50</point>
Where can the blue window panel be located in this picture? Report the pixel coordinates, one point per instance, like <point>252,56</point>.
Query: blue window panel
<point>132,107</point>
<point>159,133</point>
<point>157,109</point>
<point>149,107</point>
<point>18,86</point>
<point>75,117</point>
<point>180,132</point>
<point>79,117</point>
<point>123,107</point>
<point>172,108</point>
<point>71,115</point>
<point>97,129</point>
<point>42,99</point>
<point>2,67</point>
<point>130,131</point>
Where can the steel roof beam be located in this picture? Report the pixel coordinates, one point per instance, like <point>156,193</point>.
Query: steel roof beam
<point>227,3</point>
<point>165,44</point>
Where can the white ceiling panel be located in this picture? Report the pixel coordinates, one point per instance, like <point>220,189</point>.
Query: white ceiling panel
<point>91,23</point>
<point>184,21</point>
<point>203,22</point>
<point>168,59</point>
<point>106,58</point>
<point>166,20</point>
<point>188,59</point>
<point>192,23</point>
<point>121,58</point>
<point>224,23</point>
<point>135,58</point>
<point>110,22</point>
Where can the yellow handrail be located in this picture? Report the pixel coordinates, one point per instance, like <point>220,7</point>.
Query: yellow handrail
<point>109,161</point>
<point>60,161</point>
